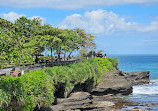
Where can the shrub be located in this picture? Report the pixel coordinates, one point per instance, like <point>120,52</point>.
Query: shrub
<point>114,62</point>
<point>105,64</point>
<point>39,88</point>
<point>75,73</point>
<point>24,93</point>
<point>36,88</point>
<point>12,93</point>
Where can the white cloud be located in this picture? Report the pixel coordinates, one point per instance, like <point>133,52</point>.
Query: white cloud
<point>70,4</point>
<point>12,16</point>
<point>41,18</point>
<point>152,27</point>
<point>106,23</point>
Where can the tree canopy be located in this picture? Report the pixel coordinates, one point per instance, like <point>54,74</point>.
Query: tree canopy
<point>20,40</point>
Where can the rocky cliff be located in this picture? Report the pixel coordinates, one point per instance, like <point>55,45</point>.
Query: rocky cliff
<point>138,78</point>
<point>113,83</point>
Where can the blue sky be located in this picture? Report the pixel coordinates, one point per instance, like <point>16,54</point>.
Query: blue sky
<point>120,27</point>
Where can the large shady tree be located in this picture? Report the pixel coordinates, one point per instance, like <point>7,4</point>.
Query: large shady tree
<point>12,44</point>
<point>32,30</point>
<point>27,37</point>
<point>86,41</point>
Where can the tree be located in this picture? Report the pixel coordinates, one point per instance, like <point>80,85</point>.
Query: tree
<point>51,37</point>
<point>27,37</point>
<point>70,41</point>
<point>91,54</point>
<point>61,40</point>
<point>33,35</point>
<point>83,52</point>
<point>85,42</point>
<point>27,27</point>
<point>12,46</point>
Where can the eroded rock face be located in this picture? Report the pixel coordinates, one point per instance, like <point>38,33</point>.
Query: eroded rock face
<point>85,86</point>
<point>77,100</point>
<point>138,78</point>
<point>80,101</point>
<point>113,82</point>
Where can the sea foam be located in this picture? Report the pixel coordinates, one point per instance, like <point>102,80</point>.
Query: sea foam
<point>151,88</point>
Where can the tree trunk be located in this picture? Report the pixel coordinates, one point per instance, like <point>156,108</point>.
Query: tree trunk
<point>51,55</point>
<point>64,56</point>
<point>69,55</point>
<point>36,60</point>
<point>59,55</point>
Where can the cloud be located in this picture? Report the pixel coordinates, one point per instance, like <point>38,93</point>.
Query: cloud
<point>41,18</point>
<point>101,22</point>
<point>12,16</point>
<point>153,26</point>
<point>70,4</point>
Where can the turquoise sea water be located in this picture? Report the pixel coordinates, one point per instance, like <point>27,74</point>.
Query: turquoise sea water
<point>129,63</point>
<point>145,95</point>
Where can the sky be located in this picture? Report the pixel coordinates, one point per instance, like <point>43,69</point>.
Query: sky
<point>120,26</point>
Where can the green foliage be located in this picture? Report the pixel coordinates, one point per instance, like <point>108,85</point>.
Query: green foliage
<point>105,64</point>
<point>114,62</point>
<point>27,37</point>
<point>86,40</point>
<point>75,73</point>
<point>83,52</point>
<point>12,93</point>
<point>37,88</point>
<point>24,93</point>
<point>80,72</point>
<point>12,44</point>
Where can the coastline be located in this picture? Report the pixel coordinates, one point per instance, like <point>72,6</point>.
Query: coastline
<point>95,89</point>
<point>114,84</point>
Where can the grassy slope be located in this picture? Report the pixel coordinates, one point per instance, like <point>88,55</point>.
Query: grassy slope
<point>37,87</point>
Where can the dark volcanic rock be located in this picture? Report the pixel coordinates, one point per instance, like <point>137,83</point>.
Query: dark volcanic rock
<point>138,78</point>
<point>78,96</point>
<point>85,86</point>
<point>80,101</point>
<point>113,82</point>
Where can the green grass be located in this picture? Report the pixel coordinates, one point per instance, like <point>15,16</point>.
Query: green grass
<point>37,88</point>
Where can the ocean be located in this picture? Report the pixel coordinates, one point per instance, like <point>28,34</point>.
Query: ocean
<point>143,96</point>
